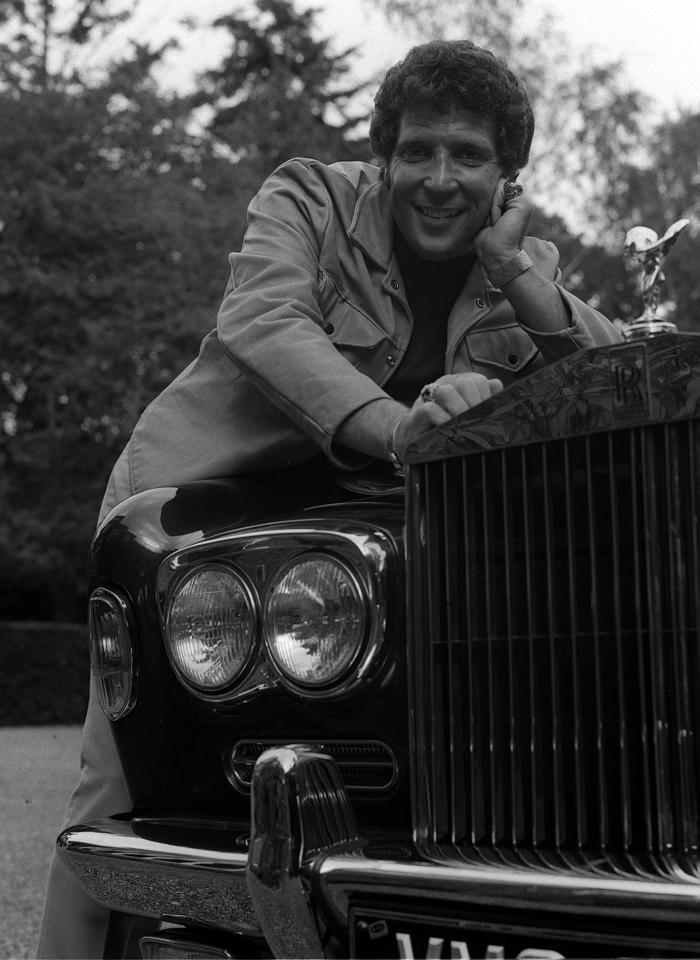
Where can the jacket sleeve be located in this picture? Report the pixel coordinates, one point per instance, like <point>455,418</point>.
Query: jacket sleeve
<point>587,327</point>
<point>270,321</point>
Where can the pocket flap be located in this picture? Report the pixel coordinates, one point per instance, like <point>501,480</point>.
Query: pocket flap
<point>508,348</point>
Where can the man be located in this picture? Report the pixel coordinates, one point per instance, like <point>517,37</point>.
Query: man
<point>367,304</point>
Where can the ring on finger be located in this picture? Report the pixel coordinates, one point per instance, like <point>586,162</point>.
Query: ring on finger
<point>511,189</point>
<point>427,394</point>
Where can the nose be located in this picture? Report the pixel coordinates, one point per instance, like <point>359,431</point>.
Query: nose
<point>441,176</point>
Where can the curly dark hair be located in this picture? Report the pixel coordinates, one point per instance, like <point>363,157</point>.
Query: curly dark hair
<point>455,75</point>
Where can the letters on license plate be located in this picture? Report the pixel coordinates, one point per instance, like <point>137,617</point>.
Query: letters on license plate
<point>403,938</point>
<point>388,933</point>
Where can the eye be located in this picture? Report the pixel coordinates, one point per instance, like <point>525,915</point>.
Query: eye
<point>471,157</point>
<point>414,152</point>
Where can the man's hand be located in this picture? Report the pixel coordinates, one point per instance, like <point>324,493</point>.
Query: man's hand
<point>502,237</point>
<point>451,395</point>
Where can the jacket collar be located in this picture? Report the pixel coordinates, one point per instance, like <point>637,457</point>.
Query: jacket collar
<point>372,225</point>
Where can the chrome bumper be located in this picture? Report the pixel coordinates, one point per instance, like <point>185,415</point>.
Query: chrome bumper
<point>124,869</point>
<point>305,863</point>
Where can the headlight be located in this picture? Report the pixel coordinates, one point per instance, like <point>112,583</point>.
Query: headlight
<point>210,627</point>
<point>111,652</point>
<point>315,620</point>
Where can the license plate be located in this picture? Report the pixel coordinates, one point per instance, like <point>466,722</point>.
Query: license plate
<point>376,934</point>
<point>382,935</point>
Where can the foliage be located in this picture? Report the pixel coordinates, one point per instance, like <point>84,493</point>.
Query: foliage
<point>40,38</point>
<point>117,213</point>
<point>659,191</point>
<point>45,673</point>
<point>280,92</point>
<point>119,203</point>
<point>112,263</point>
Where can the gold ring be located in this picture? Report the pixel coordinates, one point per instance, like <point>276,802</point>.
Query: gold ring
<point>427,394</point>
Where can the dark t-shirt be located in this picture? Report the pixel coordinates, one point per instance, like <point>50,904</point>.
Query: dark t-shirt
<point>431,291</point>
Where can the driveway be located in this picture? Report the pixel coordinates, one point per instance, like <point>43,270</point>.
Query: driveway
<point>38,768</point>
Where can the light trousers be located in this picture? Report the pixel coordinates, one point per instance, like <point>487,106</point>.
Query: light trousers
<point>74,925</point>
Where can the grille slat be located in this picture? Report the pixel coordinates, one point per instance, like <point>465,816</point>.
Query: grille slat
<point>516,804</point>
<point>550,559</point>
<point>644,779</point>
<point>559,694</point>
<point>621,756</point>
<point>578,777</point>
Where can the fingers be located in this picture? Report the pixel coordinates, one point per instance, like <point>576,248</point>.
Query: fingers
<point>422,417</point>
<point>446,398</point>
<point>456,393</point>
<point>497,201</point>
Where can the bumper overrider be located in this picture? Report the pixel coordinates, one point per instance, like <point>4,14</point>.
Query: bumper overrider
<point>294,877</point>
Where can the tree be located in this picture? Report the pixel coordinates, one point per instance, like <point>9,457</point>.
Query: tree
<point>39,39</point>
<point>112,263</point>
<point>660,188</point>
<point>117,210</point>
<point>280,92</point>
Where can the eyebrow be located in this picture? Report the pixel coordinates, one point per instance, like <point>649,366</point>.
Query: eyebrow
<point>476,143</point>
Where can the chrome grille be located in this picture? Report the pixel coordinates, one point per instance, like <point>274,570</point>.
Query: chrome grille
<point>555,609</point>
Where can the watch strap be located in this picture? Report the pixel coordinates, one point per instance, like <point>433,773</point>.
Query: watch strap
<point>510,269</point>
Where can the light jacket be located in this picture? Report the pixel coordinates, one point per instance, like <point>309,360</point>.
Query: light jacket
<point>313,324</point>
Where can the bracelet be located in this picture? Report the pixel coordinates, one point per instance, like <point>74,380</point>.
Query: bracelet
<point>510,269</point>
<point>393,455</point>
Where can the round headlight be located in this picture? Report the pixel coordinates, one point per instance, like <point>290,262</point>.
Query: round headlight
<point>315,620</point>
<point>111,651</point>
<point>210,627</point>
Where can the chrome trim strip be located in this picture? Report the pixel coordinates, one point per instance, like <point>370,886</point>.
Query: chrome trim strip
<point>234,760</point>
<point>127,872</point>
<point>340,875</point>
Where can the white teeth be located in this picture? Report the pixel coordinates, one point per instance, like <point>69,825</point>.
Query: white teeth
<point>438,214</point>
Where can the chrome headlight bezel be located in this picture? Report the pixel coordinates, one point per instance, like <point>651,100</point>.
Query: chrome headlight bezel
<point>259,552</point>
<point>251,599</point>
<point>114,708</point>
<point>361,599</point>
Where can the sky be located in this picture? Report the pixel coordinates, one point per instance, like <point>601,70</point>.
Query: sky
<point>658,41</point>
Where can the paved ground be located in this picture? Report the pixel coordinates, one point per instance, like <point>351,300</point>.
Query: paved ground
<point>38,767</point>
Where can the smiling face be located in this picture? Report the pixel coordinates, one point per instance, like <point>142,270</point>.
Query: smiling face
<point>442,176</point>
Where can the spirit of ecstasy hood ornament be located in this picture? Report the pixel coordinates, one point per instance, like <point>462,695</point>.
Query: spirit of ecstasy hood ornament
<point>644,247</point>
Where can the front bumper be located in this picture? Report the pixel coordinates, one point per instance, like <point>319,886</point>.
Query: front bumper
<point>293,877</point>
<point>164,868</point>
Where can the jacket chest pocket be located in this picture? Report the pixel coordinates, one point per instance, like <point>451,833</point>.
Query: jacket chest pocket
<point>507,348</point>
<point>350,330</point>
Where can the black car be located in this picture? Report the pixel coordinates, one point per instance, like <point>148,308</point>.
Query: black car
<point>458,717</point>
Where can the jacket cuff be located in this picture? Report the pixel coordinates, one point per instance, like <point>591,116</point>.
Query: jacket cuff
<point>344,457</point>
<point>586,328</point>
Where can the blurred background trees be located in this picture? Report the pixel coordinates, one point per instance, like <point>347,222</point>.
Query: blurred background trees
<point>119,201</point>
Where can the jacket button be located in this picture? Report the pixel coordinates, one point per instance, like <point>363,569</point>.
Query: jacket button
<point>480,302</point>
<point>327,327</point>
<point>395,284</point>
<point>390,360</point>
<point>512,358</point>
